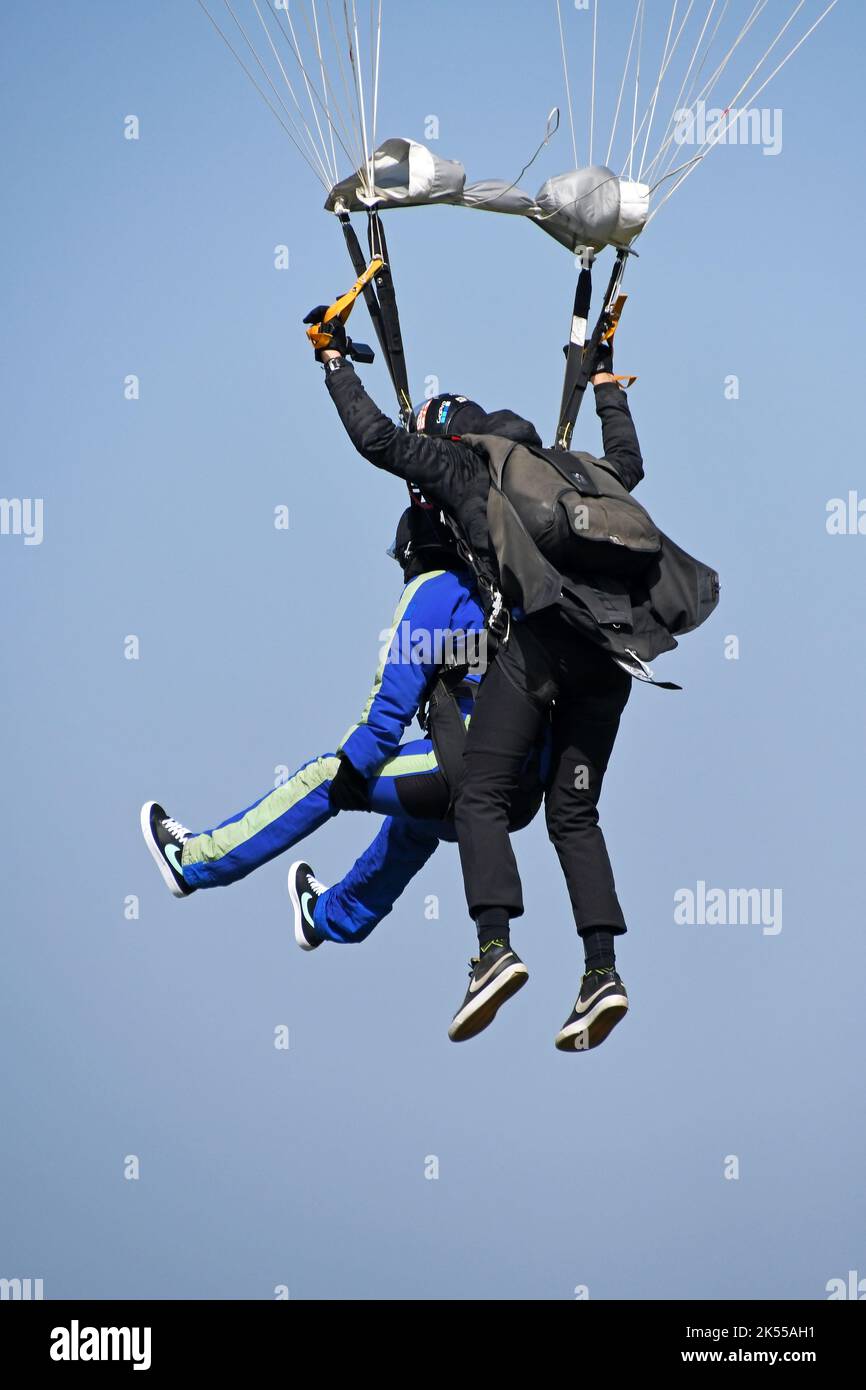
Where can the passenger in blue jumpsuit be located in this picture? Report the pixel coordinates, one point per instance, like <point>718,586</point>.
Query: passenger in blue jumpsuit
<point>438,620</point>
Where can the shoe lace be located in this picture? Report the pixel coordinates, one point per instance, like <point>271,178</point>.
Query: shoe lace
<point>315,886</point>
<point>176,830</point>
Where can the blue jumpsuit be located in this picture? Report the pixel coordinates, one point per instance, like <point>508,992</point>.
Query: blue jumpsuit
<point>401,777</point>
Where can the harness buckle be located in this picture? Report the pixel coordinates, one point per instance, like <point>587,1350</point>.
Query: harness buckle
<point>499,617</point>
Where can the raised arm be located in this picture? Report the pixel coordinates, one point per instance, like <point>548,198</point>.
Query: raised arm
<point>437,467</point>
<point>619,436</point>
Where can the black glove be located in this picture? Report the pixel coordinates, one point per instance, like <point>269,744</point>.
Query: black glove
<point>348,790</point>
<point>335,327</point>
<point>604,358</point>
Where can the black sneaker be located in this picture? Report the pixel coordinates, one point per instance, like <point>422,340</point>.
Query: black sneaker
<point>493,977</point>
<point>305,891</point>
<point>599,1006</point>
<point>165,839</point>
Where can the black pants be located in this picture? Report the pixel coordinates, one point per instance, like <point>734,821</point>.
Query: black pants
<point>546,670</point>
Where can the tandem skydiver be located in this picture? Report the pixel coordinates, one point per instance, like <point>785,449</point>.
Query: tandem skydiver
<point>544,668</point>
<point>433,658</point>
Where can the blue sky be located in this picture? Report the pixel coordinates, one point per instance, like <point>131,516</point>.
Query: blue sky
<point>154,1037</point>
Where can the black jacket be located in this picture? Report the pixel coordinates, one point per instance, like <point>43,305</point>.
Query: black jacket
<point>451,474</point>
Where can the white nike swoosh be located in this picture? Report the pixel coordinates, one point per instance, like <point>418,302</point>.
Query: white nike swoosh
<point>172,854</point>
<point>581,1008</point>
<point>307,898</point>
<point>479,984</point>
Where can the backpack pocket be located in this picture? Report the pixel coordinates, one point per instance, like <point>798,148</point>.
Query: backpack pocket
<point>607,535</point>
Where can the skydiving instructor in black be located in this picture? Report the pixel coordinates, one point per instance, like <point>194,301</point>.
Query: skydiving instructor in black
<point>543,667</point>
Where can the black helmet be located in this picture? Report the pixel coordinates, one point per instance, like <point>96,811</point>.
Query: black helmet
<point>423,542</point>
<point>448,416</point>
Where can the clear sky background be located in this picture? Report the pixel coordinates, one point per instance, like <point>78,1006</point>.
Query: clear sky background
<point>154,1037</point>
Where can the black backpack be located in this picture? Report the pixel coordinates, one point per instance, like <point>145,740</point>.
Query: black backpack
<point>577,512</point>
<point>568,534</point>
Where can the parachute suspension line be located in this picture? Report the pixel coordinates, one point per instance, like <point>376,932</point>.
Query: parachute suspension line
<point>678,103</point>
<point>706,90</point>
<point>672,175</point>
<point>755,14</point>
<point>264,96</point>
<point>331,170</point>
<point>551,129</point>
<point>690,99</point>
<point>622,84</point>
<point>753,95</point>
<point>376,51</point>
<point>358,158</point>
<point>296,50</point>
<point>731,107</point>
<point>355,64</point>
<point>251,46</point>
<point>693,101</point>
<point>636,89</point>
<point>592,97</point>
<point>567,82</point>
<point>321,57</point>
<point>709,48</point>
<point>323,100</point>
<point>649,114</point>
<point>667,59</point>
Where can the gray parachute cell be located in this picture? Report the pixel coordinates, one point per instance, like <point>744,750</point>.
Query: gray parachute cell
<point>407,174</point>
<point>592,207</point>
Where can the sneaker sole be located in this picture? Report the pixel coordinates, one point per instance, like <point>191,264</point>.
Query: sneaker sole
<point>300,938</point>
<point>475,1017</point>
<point>157,855</point>
<point>598,1023</point>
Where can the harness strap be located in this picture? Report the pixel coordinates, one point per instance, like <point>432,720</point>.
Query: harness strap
<point>392,344</point>
<point>359,263</point>
<point>447,731</point>
<point>497,615</point>
<point>577,338</point>
<point>577,381</point>
<point>381,301</point>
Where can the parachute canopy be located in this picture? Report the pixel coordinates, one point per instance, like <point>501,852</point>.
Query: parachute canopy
<point>692,73</point>
<point>590,207</point>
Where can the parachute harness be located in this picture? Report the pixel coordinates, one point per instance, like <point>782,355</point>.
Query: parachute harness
<point>380,299</point>
<point>582,356</point>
